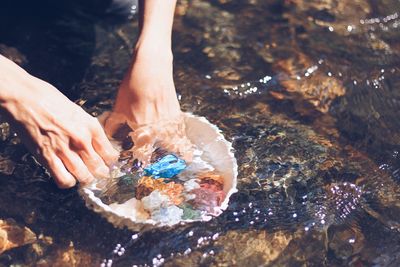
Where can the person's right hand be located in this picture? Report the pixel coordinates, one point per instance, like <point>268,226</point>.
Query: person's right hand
<point>61,135</point>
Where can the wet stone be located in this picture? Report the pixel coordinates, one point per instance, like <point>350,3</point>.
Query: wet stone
<point>210,180</point>
<point>189,213</point>
<point>4,131</point>
<point>155,201</point>
<point>146,185</point>
<point>174,192</point>
<point>344,199</point>
<point>13,235</point>
<point>119,189</point>
<point>7,166</point>
<point>168,215</point>
<point>215,187</point>
<point>166,167</point>
<point>190,185</point>
<point>207,199</point>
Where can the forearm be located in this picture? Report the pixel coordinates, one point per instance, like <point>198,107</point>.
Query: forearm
<point>12,77</point>
<point>156,19</point>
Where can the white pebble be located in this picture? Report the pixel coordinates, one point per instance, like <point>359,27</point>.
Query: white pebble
<point>155,201</point>
<point>169,215</point>
<point>190,185</point>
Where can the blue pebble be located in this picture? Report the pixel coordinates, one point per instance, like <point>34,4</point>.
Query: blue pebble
<point>167,167</point>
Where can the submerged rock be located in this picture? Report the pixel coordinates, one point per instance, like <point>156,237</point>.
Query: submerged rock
<point>166,167</point>
<point>4,131</point>
<point>212,181</point>
<point>207,199</point>
<point>190,185</point>
<point>13,235</point>
<point>155,201</point>
<point>174,192</point>
<point>147,185</point>
<point>168,215</point>
<point>189,213</point>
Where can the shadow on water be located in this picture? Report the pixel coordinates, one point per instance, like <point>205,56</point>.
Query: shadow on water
<point>296,86</point>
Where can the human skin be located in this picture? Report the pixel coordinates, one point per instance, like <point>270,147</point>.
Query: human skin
<point>147,93</point>
<point>147,99</point>
<point>70,142</point>
<point>59,133</point>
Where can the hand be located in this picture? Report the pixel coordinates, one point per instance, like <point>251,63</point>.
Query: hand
<point>61,135</point>
<point>147,102</point>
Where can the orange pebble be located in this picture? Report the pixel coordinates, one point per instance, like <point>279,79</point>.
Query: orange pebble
<point>213,179</point>
<point>146,185</point>
<point>212,176</point>
<point>174,191</point>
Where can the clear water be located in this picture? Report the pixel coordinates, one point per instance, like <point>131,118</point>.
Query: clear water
<point>307,91</point>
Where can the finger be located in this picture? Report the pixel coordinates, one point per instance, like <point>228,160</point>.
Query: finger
<point>144,145</point>
<point>61,176</point>
<point>143,136</point>
<point>75,166</point>
<point>112,123</point>
<point>103,147</point>
<point>94,162</point>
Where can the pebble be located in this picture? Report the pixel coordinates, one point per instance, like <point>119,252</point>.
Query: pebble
<point>155,201</point>
<point>168,215</point>
<point>146,185</point>
<point>190,214</point>
<point>190,185</point>
<point>174,191</point>
<point>167,167</point>
<point>207,199</point>
<point>211,178</point>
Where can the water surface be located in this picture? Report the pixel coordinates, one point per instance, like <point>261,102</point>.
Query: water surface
<point>307,91</point>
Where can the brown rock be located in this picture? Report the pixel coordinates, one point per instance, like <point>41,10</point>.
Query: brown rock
<point>174,191</point>
<point>12,235</point>
<point>68,257</point>
<point>146,185</point>
<point>251,248</point>
<point>210,177</point>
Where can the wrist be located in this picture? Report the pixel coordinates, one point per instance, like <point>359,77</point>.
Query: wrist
<point>153,47</point>
<point>11,77</point>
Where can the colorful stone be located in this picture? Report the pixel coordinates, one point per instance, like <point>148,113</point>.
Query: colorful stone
<point>146,185</point>
<point>211,181</point>
<point>155,201</point>
<point>174,192</point>
<point>166,167</point>
<point>189,213</point>
<point>168,215</point>
<point>214,186</point>
<point>190,185</point>
<point>207,199</point>
<point>209,176</point>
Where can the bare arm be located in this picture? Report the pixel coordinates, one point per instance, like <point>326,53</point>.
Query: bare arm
<point>147,94</point>
<point>155,20</point>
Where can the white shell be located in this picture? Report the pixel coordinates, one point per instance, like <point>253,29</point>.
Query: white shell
<point>205,136</point>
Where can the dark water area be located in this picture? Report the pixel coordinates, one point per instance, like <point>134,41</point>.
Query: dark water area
<point>307,91</point>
